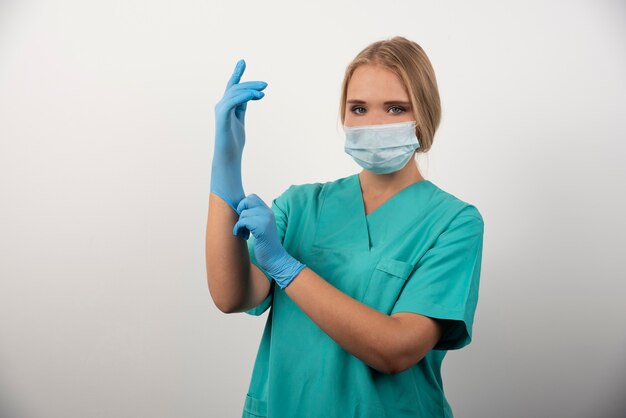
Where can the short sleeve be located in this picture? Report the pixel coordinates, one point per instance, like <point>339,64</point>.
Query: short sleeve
<point>445,283</point>
<point>279,208</point>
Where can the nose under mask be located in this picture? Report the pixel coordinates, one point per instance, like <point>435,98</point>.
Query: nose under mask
<point>383,148</point>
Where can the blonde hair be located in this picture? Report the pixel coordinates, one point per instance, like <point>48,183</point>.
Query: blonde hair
<point>409,62</point>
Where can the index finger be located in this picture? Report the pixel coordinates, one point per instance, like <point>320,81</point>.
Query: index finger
<point>236,77</point>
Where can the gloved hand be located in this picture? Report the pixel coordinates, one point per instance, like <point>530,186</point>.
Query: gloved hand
<point>256,217</point>
<point>230,135</point>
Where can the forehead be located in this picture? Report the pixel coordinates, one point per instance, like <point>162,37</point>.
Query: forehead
<point>375,82</point>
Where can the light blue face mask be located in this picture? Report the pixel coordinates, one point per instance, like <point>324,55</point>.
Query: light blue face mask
<point>383,148</point>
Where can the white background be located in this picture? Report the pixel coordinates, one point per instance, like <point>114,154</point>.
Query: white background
<point>106,137</point>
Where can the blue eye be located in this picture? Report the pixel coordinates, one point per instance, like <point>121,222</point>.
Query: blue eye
<point>397,107</point>
<point>356,107</point>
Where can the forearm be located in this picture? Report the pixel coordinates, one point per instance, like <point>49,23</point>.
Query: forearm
<point>228,265</point>
<point>361,330</point>
<point>227,259</point>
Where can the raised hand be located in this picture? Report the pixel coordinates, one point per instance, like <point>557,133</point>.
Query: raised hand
<point>230,135</point>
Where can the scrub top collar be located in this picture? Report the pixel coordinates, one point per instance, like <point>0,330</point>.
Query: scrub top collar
<point>343,205</point>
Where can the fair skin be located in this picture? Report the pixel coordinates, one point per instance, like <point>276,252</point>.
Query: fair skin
<point>388,343</point>
<point>368,90</point>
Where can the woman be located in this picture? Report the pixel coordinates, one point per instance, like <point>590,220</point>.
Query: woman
<point>371,277</point>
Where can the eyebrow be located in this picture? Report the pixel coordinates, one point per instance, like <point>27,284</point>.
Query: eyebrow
<point>356,101</point>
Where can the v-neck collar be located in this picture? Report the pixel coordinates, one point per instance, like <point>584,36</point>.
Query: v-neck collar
<point>387,202</point>
<point>342,223</point>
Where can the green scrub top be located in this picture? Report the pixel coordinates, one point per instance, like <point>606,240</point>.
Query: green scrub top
<point>420,251</point>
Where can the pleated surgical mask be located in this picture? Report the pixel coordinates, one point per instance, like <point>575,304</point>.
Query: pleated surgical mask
<point>383,148</point>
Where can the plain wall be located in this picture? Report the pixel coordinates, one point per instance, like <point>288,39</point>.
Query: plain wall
<point>106,138</point>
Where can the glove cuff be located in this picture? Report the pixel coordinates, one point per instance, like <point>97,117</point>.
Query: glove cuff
<point>290,269</point>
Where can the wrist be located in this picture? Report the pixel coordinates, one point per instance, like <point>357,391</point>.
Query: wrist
<point>289,269</point>
<point>223,163</point>
<point>226,182</point>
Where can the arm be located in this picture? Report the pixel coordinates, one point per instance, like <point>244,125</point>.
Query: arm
<point>389,344</point>
<point>449,272</point>
<point>235,284</point>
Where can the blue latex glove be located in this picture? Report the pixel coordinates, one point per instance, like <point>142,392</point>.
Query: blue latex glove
<point>230,135</point>
<point>256,217</point>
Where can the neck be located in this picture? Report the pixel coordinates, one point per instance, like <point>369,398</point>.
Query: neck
<point>374,184</point>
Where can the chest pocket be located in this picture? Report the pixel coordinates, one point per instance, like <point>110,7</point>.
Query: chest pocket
<point>386,283</point>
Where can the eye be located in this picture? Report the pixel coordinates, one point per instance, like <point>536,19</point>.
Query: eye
<point>397,107</point>
<point>357,107</point>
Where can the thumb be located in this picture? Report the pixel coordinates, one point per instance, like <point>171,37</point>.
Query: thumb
<point>240,229</point>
